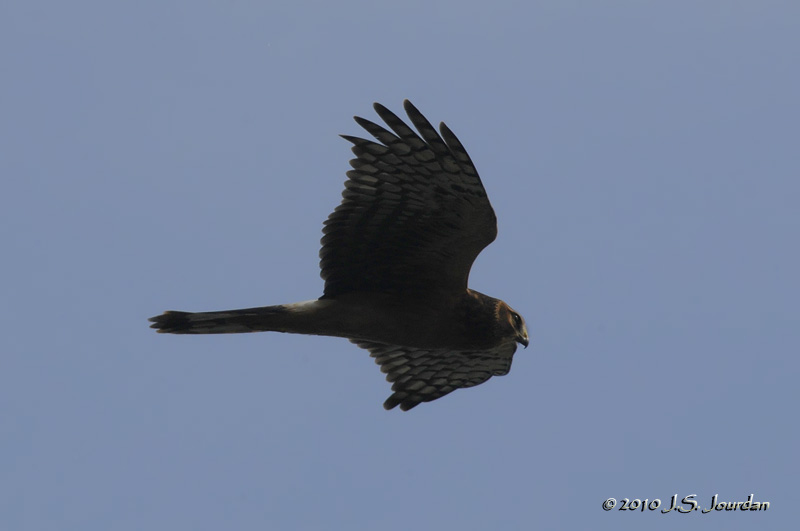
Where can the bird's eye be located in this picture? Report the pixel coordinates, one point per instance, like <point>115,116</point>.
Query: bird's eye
<point>517,319</point>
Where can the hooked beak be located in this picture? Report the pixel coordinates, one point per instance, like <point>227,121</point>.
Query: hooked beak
<point>522,339</point>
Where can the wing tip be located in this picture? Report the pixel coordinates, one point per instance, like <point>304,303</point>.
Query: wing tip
<point>405,404</point>
<point>170,322</point>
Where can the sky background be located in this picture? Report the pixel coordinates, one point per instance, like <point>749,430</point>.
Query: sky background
<point>643,161</point>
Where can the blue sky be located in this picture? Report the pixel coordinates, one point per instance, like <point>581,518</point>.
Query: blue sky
<point>642,159</point>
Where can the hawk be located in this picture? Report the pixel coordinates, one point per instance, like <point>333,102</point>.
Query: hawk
<point>395,258</point>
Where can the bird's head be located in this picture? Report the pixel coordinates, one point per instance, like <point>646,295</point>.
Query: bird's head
<point>514,322</point>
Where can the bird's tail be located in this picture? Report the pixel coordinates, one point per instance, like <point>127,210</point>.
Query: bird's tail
<point>266,318</point>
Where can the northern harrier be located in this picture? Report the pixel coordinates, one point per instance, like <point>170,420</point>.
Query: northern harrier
<point>395,258</point>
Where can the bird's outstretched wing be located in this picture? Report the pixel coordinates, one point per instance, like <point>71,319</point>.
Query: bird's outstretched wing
<point>414,214</point>
<point>420,375</point>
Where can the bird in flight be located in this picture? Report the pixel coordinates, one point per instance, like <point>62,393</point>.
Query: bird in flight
<point>395,258</point>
